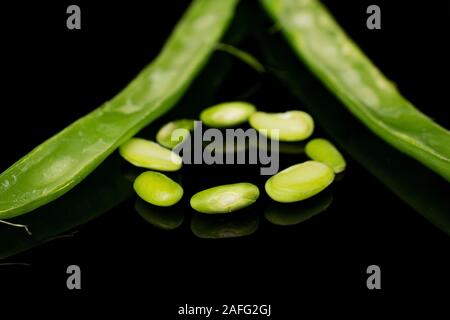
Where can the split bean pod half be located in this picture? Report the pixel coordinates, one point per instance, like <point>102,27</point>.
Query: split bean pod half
<point>342,66</point>
<point>57,165</point>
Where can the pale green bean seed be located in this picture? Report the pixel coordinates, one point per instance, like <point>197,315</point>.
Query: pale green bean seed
<point>324,151</point>
<point>148,154</point>
<point>290,125</point>
<point>299,181</point>
<point>157,189</point>
<point>225,198</point>
<point>227,114</point>
<point>164,135</point>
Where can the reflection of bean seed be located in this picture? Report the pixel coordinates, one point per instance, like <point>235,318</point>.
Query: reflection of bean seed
<point>226,198</point>
<point>291,125</point>
<point>288,214</point>
<point>164,135</point>
<point>299,181</point>
<point>150,155</point>
<point>158,189</point>
<point>227,114</point>
<point>162,218</point>
<point>220,227</point>
<point>324,151</point>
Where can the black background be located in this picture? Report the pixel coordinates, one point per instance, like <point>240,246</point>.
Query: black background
<point>52,76</point>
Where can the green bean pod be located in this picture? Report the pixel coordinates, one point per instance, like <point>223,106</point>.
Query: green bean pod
<point>61,162</point>
<point>336,60</point>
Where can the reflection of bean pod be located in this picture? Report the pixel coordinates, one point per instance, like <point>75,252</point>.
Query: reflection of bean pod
<point>287,214</point>
<point>220,227</point>
<point>299,182</point>
<point>67,213</point>
<point>162,218</point>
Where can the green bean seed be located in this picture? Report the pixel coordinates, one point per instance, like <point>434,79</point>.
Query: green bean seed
<point>158,189</point>
<point>148,154</point>
<point>225,198</point>
<point>164,135</point>
<point>290,125</point>
<point>299,182</point>
<point>227,114</point>
<point>324,151</point>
